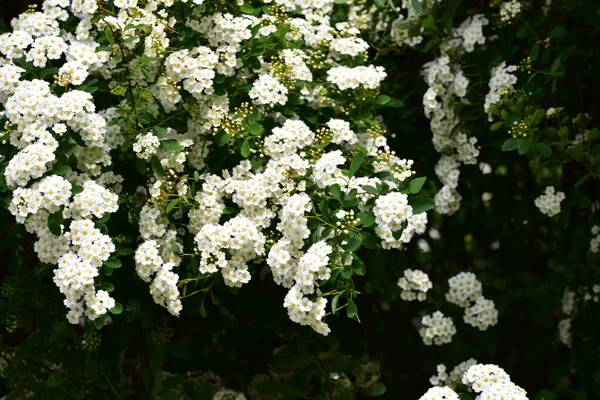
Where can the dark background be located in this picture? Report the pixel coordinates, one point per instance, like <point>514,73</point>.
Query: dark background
<point>11,8</point>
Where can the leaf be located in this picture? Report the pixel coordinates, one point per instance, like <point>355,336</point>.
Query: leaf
<point>117,309</point>
<point>352,310</point>
<point>417,184</point>
<point>247,9</point>
<point>376,389</point>
<point>382,99</point>
<point>113,263</point>
<point>245,149</point>
<point>524,146</point>
<point>428,22</point>
<point>366,219</point>
<point>256,129</point>
<point>60,170</point>
<point>544,149</point>
<point>106,286</point>
<point>171,145</point>
<point>354,241</point>
<point>509,144</point>
<point>76,189</point>
<point>341,1</point>
<point>334,303</point>
<point>172,204</point>
<point>557,31</point>
<point>222,139</point>
<point>421,204</point>
<point>416,4</point>
<point>91,368</point>
<point>55,221</point>
<point>336,192</point>
<point>370,189</point>
<point>538,115</point>
<point>157,167</point>
<point>356,163</point>
<point>497,126</point>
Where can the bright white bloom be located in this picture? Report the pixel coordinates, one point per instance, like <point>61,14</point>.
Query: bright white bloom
<point>440,393</point>
<point>415,285</point>
<point>549,202</point>
<point>437,329</point>
<point>482,314</point>
<point>464,288</point>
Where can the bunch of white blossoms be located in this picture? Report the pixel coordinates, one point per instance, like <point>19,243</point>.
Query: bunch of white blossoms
<point>454,378</point>
<point>549,202</point>
<point>414,285</point>
<point>466,291</point>
<point>437,329</point>
<point>501,84</point>
<point>509,10</point>
<point>489,381</point>
<point>447,87</point>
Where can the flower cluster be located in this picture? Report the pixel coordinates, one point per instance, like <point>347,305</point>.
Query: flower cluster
<point>509,10</point>
<point>549,202</point>
<point>447,87</point>
<point>414,285</point>
<point>437,329</point>
<point>466,291</point>
<point>501,84</point>
<point>489,381</point>
<point>595,241</point>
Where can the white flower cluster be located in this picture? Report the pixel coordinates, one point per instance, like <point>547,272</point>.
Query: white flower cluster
<point>351,78</point>
<point>489,381</point>
<point>414,285</point>
<point>146,145</point>
<point>267,90</point>
<point>447,86</point>
<point>62,222</point>
<point>549,202</point>
<point>509,10</point>
<point>437,329</point>
<point>155,258</point>
<point>501,84</point>
<point>492,383</point>
<point>454,378</point>
<point>392,214</point>
<point>466,292</point>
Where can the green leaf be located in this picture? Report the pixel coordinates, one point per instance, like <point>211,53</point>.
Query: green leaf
<point>222,139</point>
<point>538,115</point>
<point>91,368</point>
<point>107,286</point>
<point>55,221</point>
<point>100,321</point>
<point>382,99</point>
<point>557,31</point>
<point>497,126</point>
<point>544,149</point>
<point>416,4</point>
<point>417,184</point>
<point>341,1</point>
<point>245,149</point>
<point>113,263</point>
<point>334,303</point>
<point>256,129</point>
<point>429,22</point>
<point>172,204</point>
<point>247,9</point>
<point>171,145</point>
<point>60,170</point>
<point>157,167</point>
<point>356,163</point>
<point>509,144</point>
<point>117,309</point>
<point>524,146</point>
<point>76,189</point>
<point>376,389</point>
<point>336,192</point>
<point>370,189</point>
<point>421,204</point>
<point>366,219</point>
<point>354,241</point>
<point>352,310</point>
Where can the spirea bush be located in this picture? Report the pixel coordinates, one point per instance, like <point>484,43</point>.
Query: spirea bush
<point>287,199</point>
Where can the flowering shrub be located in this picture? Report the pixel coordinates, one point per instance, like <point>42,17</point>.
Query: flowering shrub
<point>186,181</point>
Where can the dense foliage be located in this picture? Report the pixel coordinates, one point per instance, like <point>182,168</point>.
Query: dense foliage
<point>287,199</point>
